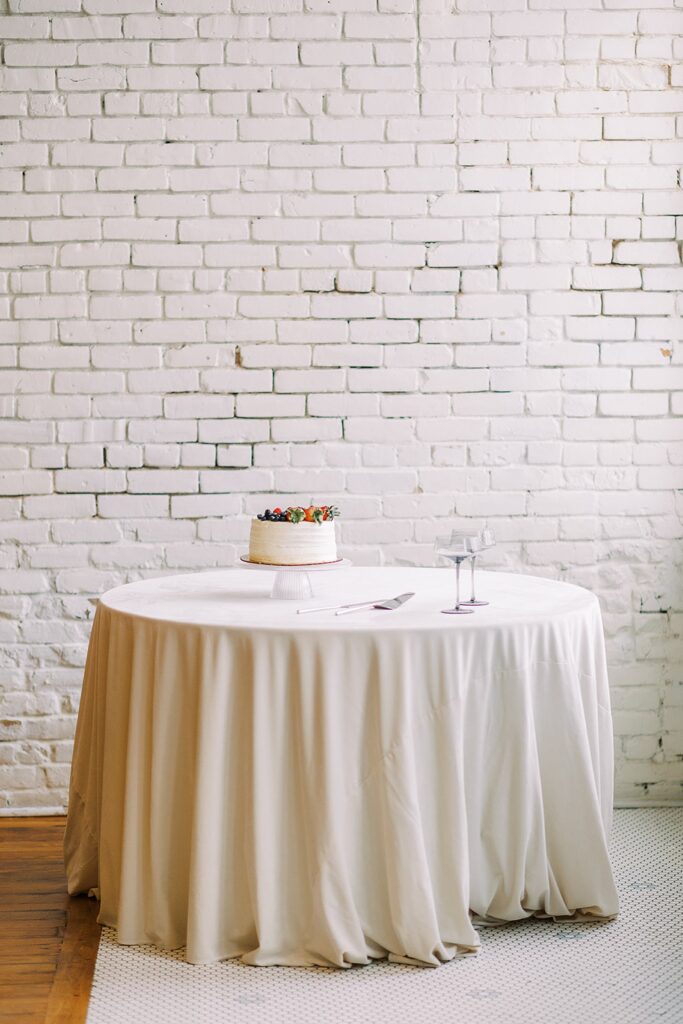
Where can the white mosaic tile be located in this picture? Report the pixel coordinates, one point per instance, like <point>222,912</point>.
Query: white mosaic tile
<point>533,972</point>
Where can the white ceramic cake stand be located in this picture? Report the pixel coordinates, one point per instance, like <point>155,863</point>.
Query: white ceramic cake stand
<point>292,582</point>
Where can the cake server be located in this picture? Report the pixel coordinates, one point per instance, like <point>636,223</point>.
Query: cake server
<point>389,604</point>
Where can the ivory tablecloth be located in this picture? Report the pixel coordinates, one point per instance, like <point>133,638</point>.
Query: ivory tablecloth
<point>326,790</point>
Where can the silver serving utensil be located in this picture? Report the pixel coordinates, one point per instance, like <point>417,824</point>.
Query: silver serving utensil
<point>389,604</point>
<point>335,607</point>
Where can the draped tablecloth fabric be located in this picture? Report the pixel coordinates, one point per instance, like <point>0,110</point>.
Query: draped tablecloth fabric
<point>320,789</point>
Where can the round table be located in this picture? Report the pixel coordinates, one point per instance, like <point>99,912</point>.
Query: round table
<point>320,789</point>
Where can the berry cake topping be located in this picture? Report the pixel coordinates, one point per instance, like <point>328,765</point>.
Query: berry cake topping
<point>297,514</point>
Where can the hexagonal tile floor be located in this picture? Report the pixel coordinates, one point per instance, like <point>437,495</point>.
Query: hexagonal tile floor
<point>532,972</point>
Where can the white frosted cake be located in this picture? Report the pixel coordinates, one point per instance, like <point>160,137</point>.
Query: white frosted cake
<point>296,536</point>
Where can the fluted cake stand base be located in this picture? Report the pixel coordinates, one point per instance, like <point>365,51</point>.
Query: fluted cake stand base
<point>293,582</point>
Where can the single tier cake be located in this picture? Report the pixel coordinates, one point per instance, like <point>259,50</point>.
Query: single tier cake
<point>295,536</point>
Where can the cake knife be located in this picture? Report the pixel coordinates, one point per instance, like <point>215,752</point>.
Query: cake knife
<point>336,607</point>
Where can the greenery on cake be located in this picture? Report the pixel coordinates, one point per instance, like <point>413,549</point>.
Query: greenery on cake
<point>297,514</point>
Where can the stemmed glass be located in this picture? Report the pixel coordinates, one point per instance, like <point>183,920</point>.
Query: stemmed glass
<point>484,540</point>
<point>455,547</point>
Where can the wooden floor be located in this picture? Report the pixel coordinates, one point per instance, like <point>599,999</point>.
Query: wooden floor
<point>48,940</point>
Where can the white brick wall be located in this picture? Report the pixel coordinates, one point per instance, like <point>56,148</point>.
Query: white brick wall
<point>419,257</point>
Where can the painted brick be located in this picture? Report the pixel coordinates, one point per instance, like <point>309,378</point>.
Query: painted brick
<point>243,248</point>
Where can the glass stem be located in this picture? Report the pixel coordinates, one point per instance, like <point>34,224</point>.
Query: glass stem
<point>473,598</point>
<point>457,585</point>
